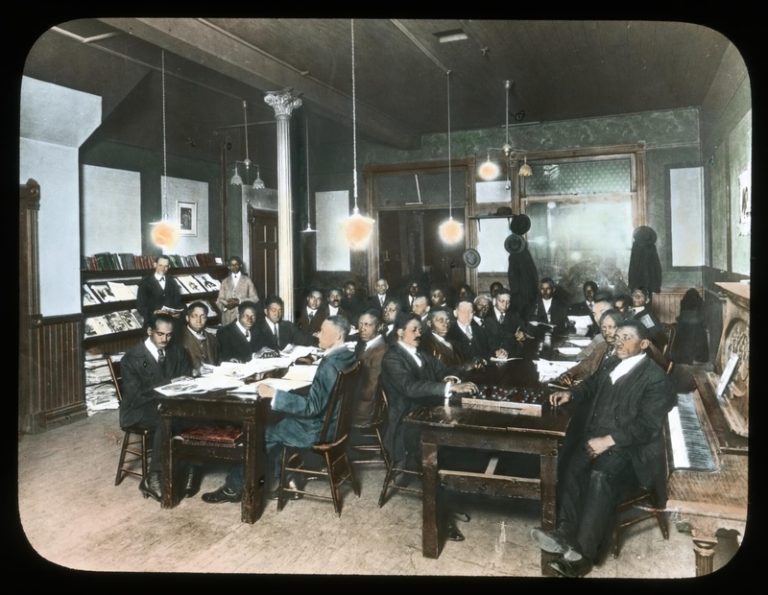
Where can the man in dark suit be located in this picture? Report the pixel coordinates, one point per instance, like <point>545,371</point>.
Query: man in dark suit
<point>352,301</point>
<point>304,415</point>
<point>392,308</point>
<point>369,350</point>
<point>312,314</point>
<point>201,345</point>
<point>504,328</point>
<point>238,340</point>
<point>435,340</point>
<point>469,338</point>
<point>584,307</point>
<point>612,444</point>
<point>411,291</point>
<point>158,290</point>
<point>333,306</point>
<point>144,367</point>
<point>275,333</point>
<point>548,309</point>
<point>377,300</point>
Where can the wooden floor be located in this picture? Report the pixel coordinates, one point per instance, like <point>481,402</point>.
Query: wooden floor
<point>73,516</point>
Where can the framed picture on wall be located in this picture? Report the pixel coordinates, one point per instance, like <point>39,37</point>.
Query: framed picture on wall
<point>186,214</point>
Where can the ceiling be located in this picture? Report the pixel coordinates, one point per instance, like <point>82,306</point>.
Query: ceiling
<point>558,70</point>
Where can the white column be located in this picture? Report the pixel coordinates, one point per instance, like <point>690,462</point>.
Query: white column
<point>284,102</point>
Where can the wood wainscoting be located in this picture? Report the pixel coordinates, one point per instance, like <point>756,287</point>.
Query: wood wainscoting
<point>666,305</point>
<point>51,383</point>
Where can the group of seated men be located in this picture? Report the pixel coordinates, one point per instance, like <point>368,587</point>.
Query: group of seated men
<point>417,349</point>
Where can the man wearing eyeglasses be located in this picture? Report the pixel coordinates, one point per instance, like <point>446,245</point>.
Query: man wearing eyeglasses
<point>613,444</point>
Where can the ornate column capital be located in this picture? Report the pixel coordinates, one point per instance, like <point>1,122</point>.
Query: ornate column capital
<point>283,102</point>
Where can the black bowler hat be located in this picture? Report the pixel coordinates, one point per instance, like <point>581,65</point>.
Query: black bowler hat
<point>515,244</point>
<point>471,258</point>
<point>520,224</point>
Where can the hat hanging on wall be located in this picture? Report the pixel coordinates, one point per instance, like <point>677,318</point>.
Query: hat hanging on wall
<point>644,235</point>
<point>515,244</point>
<point>471,258</point>
<point>520,224</point>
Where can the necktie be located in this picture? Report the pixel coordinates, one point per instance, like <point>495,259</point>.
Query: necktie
<point>276,333</point>
<point>419,359</point>
<point>247,335</point>
<point>311,315</point>
<point>501,319</point>
<point>468,331</point>
<point>381,299</point>
<point>162,282</point>
<point>161,358</point>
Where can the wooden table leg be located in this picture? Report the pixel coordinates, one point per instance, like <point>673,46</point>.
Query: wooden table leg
<point>548,485</point>
<point>430,538</point>
<point>254,477</point>
<point>167,500</point>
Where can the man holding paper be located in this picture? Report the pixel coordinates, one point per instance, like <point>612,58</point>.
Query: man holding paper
<point>304,415</point>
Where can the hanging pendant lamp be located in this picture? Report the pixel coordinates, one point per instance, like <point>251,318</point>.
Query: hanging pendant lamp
<point>450,231</point>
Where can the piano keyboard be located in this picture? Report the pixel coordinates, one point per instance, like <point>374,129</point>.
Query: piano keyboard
<point>690,446</point>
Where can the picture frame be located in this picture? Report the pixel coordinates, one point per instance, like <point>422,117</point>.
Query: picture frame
<point>186,216</point>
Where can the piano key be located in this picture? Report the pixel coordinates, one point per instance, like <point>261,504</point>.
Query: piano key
<point>690,446</point>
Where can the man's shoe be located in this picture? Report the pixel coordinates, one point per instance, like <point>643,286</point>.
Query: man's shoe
<point>151,486</point>
<point>577,569</point>
<point>275,494</point>
<point>549,541</point>
<point>462,516</point>
<point>192,481</point>
<point>453,533</point>
<point>223,494</point>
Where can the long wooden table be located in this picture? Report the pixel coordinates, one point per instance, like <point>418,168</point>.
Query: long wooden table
<point>489,431</point>
<point>219,406</point>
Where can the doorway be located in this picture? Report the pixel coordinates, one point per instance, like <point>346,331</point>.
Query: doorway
<point>262,228</point>
<point>409,247</point>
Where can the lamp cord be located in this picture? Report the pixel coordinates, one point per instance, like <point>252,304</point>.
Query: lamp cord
<point>165,156</point>
<point>245,120</point>
<point>354,118</point>
<point>306,142</point>
<point>450,184</point>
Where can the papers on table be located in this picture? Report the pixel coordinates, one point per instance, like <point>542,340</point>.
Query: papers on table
<point>181,386</point>
<point>569,350</point>
<point>580,342</point>
<point>294,352</point>
<point>299,372</point>
<point>248,391</point>
<point>503,359</point>
<point>255,366</point>
<point>581,323</point>
<point>549,370</point>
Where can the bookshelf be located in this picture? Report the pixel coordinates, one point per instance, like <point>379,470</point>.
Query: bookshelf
<point>109,287</point>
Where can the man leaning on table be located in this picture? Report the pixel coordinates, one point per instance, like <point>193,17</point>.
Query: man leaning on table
<point>304,415</point>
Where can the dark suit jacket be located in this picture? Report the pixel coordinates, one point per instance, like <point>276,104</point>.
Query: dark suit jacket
<point>641,400</point>
<point>141,374</point>
<point>305,414</point>
<point>369,381</point>
<point>407,387</point>
<point>503,335</point>
<point>198,352</point>
<point>374,304</point>
<point>351,318</point>
<point>477,347</point>
<point>558,312</point>
<point>151,296</point>
<point>287,331</point>
<point>450,356</point>
<point>310,327</point>
<point>233,345</point>
<point>580,309</point>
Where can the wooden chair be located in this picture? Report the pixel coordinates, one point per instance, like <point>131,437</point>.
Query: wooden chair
<point>670,329</point>
<point>136,440</point>
<point>370,433</point>
<point>332,446</point>
<point>638,507</point>
<point>393,473</point>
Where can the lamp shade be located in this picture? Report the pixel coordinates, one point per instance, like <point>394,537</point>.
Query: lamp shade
<point>358,230</point>
<point>451,231</point>
<point>488,170</point>
<point>164,234</point>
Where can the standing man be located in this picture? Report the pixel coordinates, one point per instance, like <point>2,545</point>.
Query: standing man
<point>158,291</point>
<point>549,309</point>
<point>145,366</point>
<point>303,420</point>
<point>612,444</point>
<point>199,343</point>
<point>238,340</point>
<point>236,288</point>
<point>333,305</point>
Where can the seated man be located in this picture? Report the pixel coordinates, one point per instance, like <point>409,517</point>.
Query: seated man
<point>312,314</point>
<point>641,310</point>
<point>275,333</point>
<point>609,322</point>
<point>584,307</point>
<point>612,444</point>
<point>435,340</point>
<point>145,366</point>
<point>505,328</point>
<point>382,295</point>
<point>482,305</point>
<point>548,309</point>
<point>303,420</point>
<point>469,338</point>
<point>623,303</point>
<point>392,308</point>
<point>201,345</point>
<point>437,298</point>
<point>238,340</point>
<point>420,307</point>
<point>410,379</point>
<point>369,350</point>
<point>352,302</point>
<point>333,305</point>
